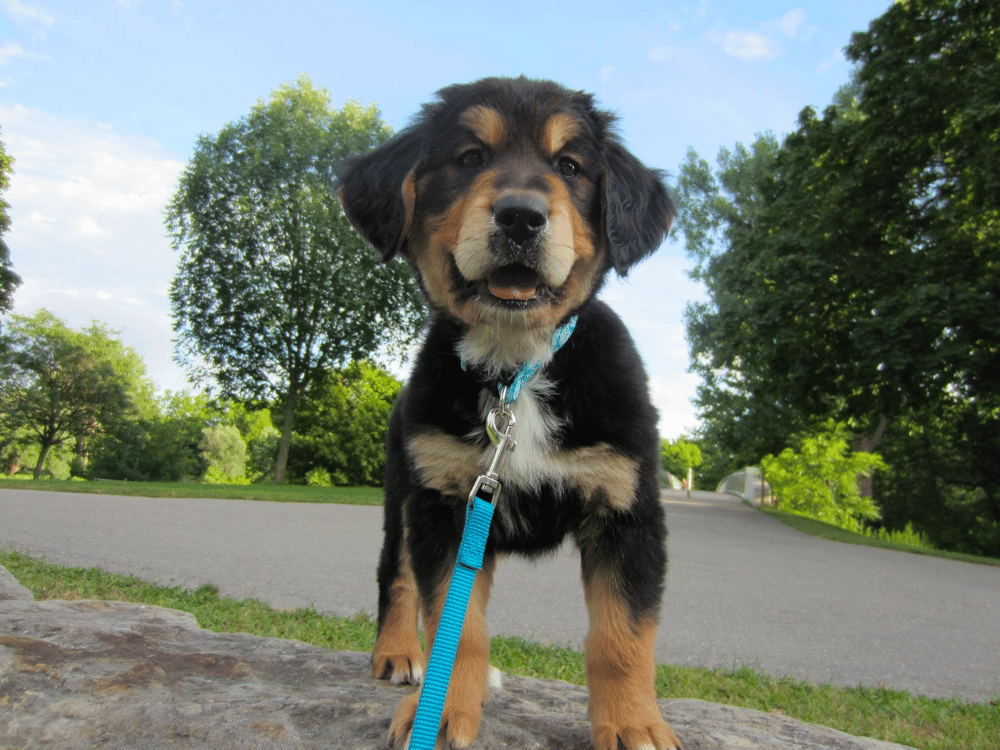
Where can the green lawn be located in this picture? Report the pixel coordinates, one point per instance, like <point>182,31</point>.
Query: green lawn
<point>287,493</point>
<point>929,724</point>
<point>811,526</point>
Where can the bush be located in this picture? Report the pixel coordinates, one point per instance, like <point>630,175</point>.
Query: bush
<point>319,478</point>
<point>821,478</point>
<point>223,448</point>
<point>215,475</point>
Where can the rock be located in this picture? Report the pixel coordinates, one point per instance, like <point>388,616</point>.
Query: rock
<point>10,589</point>
<point>84,674</point>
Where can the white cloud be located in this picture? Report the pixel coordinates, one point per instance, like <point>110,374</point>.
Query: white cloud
<point>29,13</point>
<point>87,232</point>
<point>746,45</point>
<point>791,21</point>
<point>660,53</point>
<point>10,51</point>
<point>606,72</point>
<point>87,225</point>
<point>836,57</point>
<point>764,42</point>
<point>672,399</point>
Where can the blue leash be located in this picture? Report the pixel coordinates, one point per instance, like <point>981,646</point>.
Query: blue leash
<point>482,502</point>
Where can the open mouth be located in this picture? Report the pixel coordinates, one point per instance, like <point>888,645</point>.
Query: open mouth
<point>514,283</point>
<point>513,287</point>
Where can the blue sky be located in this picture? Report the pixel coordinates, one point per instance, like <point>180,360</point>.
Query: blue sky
<point>101,103</point>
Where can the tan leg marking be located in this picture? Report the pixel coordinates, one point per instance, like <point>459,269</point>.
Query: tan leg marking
<point>467,691</point>
<point>444,462</point>
<point>397,655</point>
<point>620,675</point>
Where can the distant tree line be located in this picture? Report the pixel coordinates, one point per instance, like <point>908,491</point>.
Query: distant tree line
<point>853,276</point>
<point>79,403</point>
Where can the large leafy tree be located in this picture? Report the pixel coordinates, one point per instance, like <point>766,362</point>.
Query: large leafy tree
<point>57,384</point>
<point>853,273</point>
<point>273,285</point>
<point>8,279</point>
<point>341,424</point>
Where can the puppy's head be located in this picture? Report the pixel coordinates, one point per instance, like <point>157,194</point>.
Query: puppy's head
<point>512,198</point>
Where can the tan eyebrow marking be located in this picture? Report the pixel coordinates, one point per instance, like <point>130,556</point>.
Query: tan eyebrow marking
<point>485,122</point>
<point>559,130</point>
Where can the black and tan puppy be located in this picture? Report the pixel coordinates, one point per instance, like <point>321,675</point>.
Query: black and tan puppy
<point>512,199</point>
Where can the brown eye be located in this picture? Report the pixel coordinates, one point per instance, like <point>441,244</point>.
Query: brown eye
<point>472,159</point>
<point>567,167</point>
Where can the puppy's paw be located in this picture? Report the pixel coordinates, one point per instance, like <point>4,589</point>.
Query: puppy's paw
<point>402,722</point>
<point>399,668</point>
<point>459,721</point>
<point>656,736</point>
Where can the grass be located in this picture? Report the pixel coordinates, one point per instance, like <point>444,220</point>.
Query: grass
<point>891,715</point>
<point>286,493</point>
<point>814,527</point>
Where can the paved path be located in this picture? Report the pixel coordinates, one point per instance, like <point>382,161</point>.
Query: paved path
<point>742,588</point>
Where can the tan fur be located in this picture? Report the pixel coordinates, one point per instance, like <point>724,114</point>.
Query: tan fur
<point>409,192</point>
<point>397,653</point>
<point>599,473</point>
<point>444,462</point>
<point>621,673</point>
<point>468,689</point>
<point>561,128</point>
<point>486,123</point>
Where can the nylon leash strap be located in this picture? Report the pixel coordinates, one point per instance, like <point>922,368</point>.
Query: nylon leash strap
<point>478,515</point>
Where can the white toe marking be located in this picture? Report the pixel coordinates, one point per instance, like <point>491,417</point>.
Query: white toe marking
<point>494,678</point>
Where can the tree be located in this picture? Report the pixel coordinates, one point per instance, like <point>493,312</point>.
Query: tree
<point>274,285</point>
<point>9,280</point>
<point>679,455</point>
<point>342,422</point>
<point>60,384</point>
<point>820,478</point>
<point>866,286</point>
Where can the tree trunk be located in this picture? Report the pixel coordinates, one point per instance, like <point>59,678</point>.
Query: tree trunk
<point>867,444</point>
<point>286,433</point>
<point>41,459</point>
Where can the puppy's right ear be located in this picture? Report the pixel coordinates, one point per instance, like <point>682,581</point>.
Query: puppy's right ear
<point>377,192</point>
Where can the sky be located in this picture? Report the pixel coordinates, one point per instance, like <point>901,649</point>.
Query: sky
<point>101,103</point>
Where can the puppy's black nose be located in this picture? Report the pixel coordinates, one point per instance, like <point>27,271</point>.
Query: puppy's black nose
<point>520,217</point>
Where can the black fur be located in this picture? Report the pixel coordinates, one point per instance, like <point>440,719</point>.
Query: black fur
<point>637,207</point>
<point>599,392</point>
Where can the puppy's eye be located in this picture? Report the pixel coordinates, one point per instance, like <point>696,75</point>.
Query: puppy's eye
<point>472,159</point>
<point>567,167</point>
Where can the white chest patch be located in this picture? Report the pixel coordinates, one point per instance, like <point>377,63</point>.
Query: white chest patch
<point>535,431</point>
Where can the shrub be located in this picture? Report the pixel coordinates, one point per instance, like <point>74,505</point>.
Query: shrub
<point>223,447</point>
<point>821,478</point>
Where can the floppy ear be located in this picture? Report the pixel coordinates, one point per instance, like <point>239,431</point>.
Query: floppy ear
<point>638,209</point>
<point>377,192</point>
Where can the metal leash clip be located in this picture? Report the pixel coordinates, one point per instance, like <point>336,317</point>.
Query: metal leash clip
<point>499,426</point>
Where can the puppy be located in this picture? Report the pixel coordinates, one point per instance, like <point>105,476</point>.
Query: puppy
<point>512,199</point>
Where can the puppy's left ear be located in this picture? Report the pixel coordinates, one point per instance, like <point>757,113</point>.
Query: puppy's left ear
<point>377,192</point>
<point>638,209</point>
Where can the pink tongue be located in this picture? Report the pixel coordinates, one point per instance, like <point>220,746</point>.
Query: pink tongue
<point>513,292</point>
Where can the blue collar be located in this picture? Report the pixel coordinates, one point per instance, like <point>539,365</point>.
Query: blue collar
<point>530,369</point>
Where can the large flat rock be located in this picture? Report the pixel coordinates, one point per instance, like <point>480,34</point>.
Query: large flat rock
<point>85,674</point>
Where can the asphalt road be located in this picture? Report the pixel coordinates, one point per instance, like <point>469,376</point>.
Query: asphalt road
<point>742,588</point>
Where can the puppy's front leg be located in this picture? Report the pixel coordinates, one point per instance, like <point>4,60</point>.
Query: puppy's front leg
<point>468,689</point>
<point>622,604</point>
